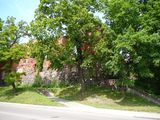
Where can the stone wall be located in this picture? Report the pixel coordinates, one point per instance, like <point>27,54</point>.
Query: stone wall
<point>47,74</point>
<point>28,66</point>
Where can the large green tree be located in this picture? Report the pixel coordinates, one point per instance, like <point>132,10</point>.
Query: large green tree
<point>136,45</point>
<point>73,21</point>
<point>116,48</point>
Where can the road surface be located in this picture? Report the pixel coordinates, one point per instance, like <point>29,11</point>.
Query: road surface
<point>12,111</point>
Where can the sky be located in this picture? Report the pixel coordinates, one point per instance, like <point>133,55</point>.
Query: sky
<point>23,10</point>
<point>20,9</point>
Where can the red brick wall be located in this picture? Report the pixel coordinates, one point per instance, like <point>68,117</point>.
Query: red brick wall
<point>27,63</point>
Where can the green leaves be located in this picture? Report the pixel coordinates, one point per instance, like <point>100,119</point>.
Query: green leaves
<point>151,15</point>
<point>13,77</point>
<point>10,49</point>
<point>126,47</point>
<point>121,14</point>
<point>9,39</point>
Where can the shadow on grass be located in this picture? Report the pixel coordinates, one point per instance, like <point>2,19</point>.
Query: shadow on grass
<point>70,93</point>
<point>134,100</point>
<point>8,93</point>
<point>73,93</point>
<point>119,97</point>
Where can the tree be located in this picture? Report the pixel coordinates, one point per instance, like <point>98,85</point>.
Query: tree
<point>116,48</point>
<point>10,49</point>
<point>75,21</point>
<point>136,25</point>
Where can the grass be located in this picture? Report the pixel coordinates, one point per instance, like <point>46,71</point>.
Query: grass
<point>25,96</point>
<point>93,96</point>
<point>106,98</point>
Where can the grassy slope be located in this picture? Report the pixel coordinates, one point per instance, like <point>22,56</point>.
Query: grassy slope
<point>105,98</point>
<point>24,95</point>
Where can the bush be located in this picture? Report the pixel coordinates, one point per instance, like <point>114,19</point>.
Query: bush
<point>55,83</point>
<point>38,82</point>
<point>125,82</point>
<point>13,78</point>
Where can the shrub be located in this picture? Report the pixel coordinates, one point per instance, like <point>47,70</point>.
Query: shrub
<point>54,83</point>
<point>38,82</point>
<point>13,78</point>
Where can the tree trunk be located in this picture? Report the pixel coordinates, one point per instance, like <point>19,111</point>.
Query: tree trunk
<point>14,86</point>
<point>79,63</point>
<point>81,78</point>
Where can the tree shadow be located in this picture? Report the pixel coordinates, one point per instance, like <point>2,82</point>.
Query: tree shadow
<point>121,98</point>
<point>134,100</point>
<point>8,93</point>
<point>70,93</point>
<point>73,93</point>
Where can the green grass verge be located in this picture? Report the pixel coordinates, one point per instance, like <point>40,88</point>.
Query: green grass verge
<point>106,98</point>
<point>25,96</point>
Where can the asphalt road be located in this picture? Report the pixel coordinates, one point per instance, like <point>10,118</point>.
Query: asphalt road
<point>11,111</point>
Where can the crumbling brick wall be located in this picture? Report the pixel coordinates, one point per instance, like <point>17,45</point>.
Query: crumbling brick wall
<point>27,65</point>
